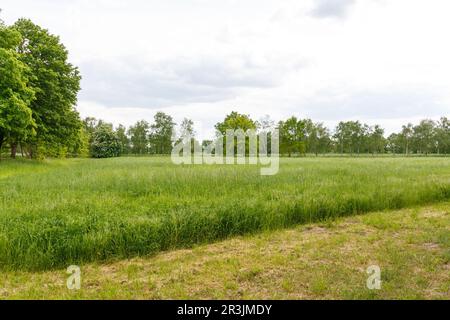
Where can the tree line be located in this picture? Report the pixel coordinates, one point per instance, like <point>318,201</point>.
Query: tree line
<point>301,136</point>
<point>297,136</point>
<point>141,138</point>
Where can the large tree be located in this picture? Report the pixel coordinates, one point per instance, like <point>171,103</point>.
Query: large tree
<point>292,136</point>
<point>406,137</point>
<point>317,137</point>
<point>376,142</point>
<point>139,137</point>
<point>57,83</point>
<point>424,137</point>
<point>235,121</point>
<point>16,122</point>
<point>121,133</point>
<point>161,132</point>
<point>394,143</point>
<point>350,136</point>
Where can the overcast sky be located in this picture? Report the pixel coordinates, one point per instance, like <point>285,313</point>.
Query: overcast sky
<point>379,61</point>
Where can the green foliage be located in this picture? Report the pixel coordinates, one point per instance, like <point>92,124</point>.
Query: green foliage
<point>139,137</point>
<point>82,145</point>
<point>16,122</point>
<point>56,83</point>
<point>105,143</point>
<point>186,129</point>
<point>349,136</point>
<point>443,136</point>
<point>425,138</point>
<point>121,133</point>
<point>161,132</point>
<point>186,135</point>
<point>9,38</point>
<point>292,136</point>
<point>235,121</point>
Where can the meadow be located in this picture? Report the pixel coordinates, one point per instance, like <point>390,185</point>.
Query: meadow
<point>55,213</point>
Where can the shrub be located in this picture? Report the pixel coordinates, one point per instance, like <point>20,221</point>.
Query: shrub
<point>105,143</point>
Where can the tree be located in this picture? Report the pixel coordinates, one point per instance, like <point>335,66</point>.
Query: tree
<point>9,38</point>
<point>186,129</point>
<point>424,137</point>
<point>139,137</point>
<point>16,121</point>
<point>317,137</point>
<point>376,140</point>
<point>90,124</point>
<point>105,143</point>
<point>292,136</point>
<point>323,138</point>
<point>235,121</point>
<point>206,144</point>
<point>443,136</point>
<point>343,136</point>
<point>82,145</point>
<point>186,135</point>
<point>267,126</point>
<point>395,143</point>
<point>358,133</point>
<point>406,136</point>
<point>351,136</point>
<point>161,132</point>
<point>311,138</point>
<point>121,133</point>
<point>56,83</point>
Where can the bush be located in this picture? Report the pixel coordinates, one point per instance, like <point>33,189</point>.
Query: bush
<point>105,143</point>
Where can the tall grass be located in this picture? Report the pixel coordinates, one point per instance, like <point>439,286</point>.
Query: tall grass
<point>61,212</point>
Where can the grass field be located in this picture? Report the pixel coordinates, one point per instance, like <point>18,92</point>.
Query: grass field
<point>61,212</point>
<point>312,261</point>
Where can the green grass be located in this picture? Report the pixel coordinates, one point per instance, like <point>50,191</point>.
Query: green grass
<point>61,212</point>
<point>312,261</point>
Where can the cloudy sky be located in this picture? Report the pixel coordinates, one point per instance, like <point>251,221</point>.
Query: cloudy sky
<point>380,61</point>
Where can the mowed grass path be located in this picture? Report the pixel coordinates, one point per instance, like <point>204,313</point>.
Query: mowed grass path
<point>62,212</point>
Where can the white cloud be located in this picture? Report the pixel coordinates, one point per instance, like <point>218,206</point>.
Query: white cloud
<point>379,61</point>
<point>331,8</point>
<point>134,82</point>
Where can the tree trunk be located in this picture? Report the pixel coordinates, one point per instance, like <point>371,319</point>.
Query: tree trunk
<point>21,150</point>
<point>27,152</point>
<point>13,150</point>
